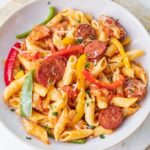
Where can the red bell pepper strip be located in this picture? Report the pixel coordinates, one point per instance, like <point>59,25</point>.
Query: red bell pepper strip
<point>88,76</point>
<point>70,50</point>
<point>10,63</point>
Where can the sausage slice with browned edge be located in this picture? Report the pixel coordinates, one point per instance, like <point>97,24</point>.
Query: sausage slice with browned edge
<point>111,117</point>
<point>134,88</point>
<point>112,27</point>
<point>85,31</point>
<point>51,70</point>
<point>95,50</point>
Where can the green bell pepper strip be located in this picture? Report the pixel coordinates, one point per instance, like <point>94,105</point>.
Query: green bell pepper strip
<point>82,141</point>
<point>50,16</point>
<point>26,96</point>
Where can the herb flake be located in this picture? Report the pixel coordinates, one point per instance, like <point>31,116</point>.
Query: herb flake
<point>49,3</point>
<point>79,21</point>
<point>79,40</point>
<point>102,136</point>
<point>54,113</point>
<point>88,91</point>
<point>87,104</point>
<point>28,138</point>
<point>87,65</point>
<point>91,127</point>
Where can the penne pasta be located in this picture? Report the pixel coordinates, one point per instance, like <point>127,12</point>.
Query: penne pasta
<point>123,102</point>
<point>58,41</point>
<point>129,72</point>
<point>126,41</point>
<point>90,111</point>
<point>36,130</point>
<point>100,66</point>
<point>75,134</point>
<point>58,105</point>
<point>54,94</point>
<point>14,102</point>
<point>128,111</point>
<point>104,78</point>
<point>111,50</point>
<point>102,36</point>
<point>47,122</point>
<point>60,125</point>
<point>96,26</point>
<point>28,65</point>
<point>39,89</point>
<point>55,20</point>
<point>37,102</point>
<point>102,102</point>
<point>139,73</point>
<point>71,114</point>
<point>99,130</point>
<point>69,74</point>
<point>36,117</point>
<point>13,88</point>
<point>79,107</point>
<point>68,12</point>
<point>134,54</point>
<point>119,90</point>
<point>79,16</point>
<point>81,125</point>
<point>47,99</point>
<point>88,17</point>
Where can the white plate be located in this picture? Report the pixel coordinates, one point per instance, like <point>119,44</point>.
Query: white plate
<point>34,13</point>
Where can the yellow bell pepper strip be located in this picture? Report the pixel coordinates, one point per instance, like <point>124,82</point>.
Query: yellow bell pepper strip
<point>80,86</point>
<point>19,75</point>
<point>122,51</point>
<point>89,77</point>
<point>26,96</point>
<point>50,16</point>
<point>79,68</point>
<point>68,41</point>
<point>79,107</point>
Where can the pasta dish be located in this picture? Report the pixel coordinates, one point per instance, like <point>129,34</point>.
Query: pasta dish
<point>73,77</point>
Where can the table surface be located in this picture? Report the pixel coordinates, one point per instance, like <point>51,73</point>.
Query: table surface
<point>139,140</point>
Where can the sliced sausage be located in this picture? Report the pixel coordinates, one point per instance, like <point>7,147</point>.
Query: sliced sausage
<point>95,50</point>
<point>112,27</point>
<point>72,95</point>
<point>40,32</point>
<point>51,70</point>
<point>134,88</point>
<point>85,31</point>
<point>111,117</point>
